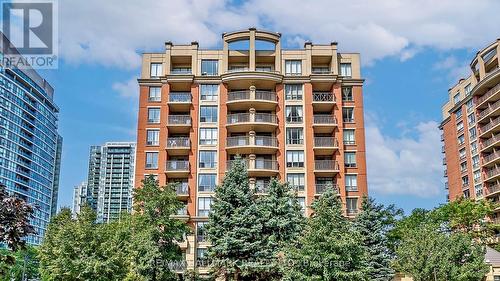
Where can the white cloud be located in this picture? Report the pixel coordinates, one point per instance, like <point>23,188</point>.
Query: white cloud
<point>112,32</point>
<point>127,89</point>
<point>453,68</point>
<point>408,164</point>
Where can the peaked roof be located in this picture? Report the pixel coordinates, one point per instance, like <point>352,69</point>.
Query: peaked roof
<point>492,256</point>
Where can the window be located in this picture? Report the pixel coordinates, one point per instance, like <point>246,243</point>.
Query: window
<point>293,67</point>
<point>202,257</point>
<point>470,104</point>
<point>471,119</point>
<point>302,203</point>
<point>200,231</point>
<point>479,193</point>
<point>465,181</point>
<point>458,113</point>
<point>475,162</point>
<point>351,182</point>
<point>294,136</point>
<point>456,98</point>
<point>466,194</point>
<point>294,113</point>
<point>208,159</point>
<point>348,114</point>
<point>460,126</point>
<point>154,94</point>
<point>151,160</point>
<point>350,159</point>
<point>352,205</point>
<point>208,136</point>
<point>208,114</point>
<point>477,176</point>
<point>261,185</point>
<point>209,67</point>
<point>349,138</point>
<point>296,181</point>
<point>156,69</point>
<point>473,148</point>
<point>463,166</point>
<point>461,139</point>
<point>293,91</point>
<point>152,137</point>
<point>295,158</point>
<point>472,133</point>
<point>461,153</point>
<point>204,206</point>
<point>153,115</point>
<point>468,90</point>
<point>209,92</point>
<point>347,94</point>
<point>345,69</point>
<point>206,182</point>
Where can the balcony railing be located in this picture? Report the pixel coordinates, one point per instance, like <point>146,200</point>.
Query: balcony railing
<point>326,165</point>
<point>493,172</point>
<point>182,211</point>
<point>325,119</point>
<point>261,187</point>
<point>265,95</point>
<point>492,157</point>
<point>247,117</point>
<point>321,70</point>
<point>490,141</point>
<point>488,94</point>
<point>178,142</point>
<point>179,97</point>
<point>247,95</point>
<point>323,97</point>
<point>493,188</point>
<point>266,164</point>
<point>179,119</point>
<point>182,189</point>
<point>256,140</point>
<point>487,127</point>
<point>322,187</point>
<point>325,142</point>
<point>177,165</point>
<point>180,71</point>
<point>491,107</point>
<point>352,211</point>
<point>238,141</point>
<point>231,163</point>
<point>238,95</point>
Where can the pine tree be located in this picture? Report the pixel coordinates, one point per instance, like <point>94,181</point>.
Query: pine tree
<point>373,223</point>
<point>329,248</point>
<point>234,226</point>
<point>283,221</point>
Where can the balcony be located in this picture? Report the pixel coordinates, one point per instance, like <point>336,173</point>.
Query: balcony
<point>246,122</point>
<point>179,101</point>
<point>492,127</point>
<point>179,123</point>
<point>321,188</point>
<point>493,189</point>
<point>178,146</point>
<point>323,101</point>
<point>490,94</point>
<point>352,212</point>
<point>243,77</point>
<point>491,159</point>
<point>182,214</point>
<point>326,167</point>
<point>492,174</point>
<point>182,75</point>
<point>251,145</point>
<point>324,123</point>
<point>182,190</point>
<point>177,168</point>
<point>259,167</point>
<point>325,145</point>
<point>244,100</point>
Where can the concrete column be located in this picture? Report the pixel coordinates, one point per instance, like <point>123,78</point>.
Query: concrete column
<point>252,92</point>
<point>277,58</point>
<point>195,70</point>
<point>252,114</point>
<point>225,58</point>
<point>251,161</point>
<point>251,136</point>
<point>167,60</point>
<point>307,64</point>
<point>482,70</point>
<point>251,49</point>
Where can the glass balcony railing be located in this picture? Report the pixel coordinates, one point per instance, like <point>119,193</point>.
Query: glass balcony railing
<point>322,187</point>
<point>325,142</point>
<point>176,142</point>
<point>179,97</point>
<point>177,165</point>
<point>179,119</point>
<point>325,119</point>
<point>326,165</point>
<point>180,70</point>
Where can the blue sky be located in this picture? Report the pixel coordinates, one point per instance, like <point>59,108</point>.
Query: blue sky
<point>412,52</point>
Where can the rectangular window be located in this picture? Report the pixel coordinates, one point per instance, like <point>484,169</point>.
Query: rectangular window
<point>348,114</point>
<point>475,162</point>
<point>468,90</point>
<point>352,205</point>
<point>349,137</point>
<point>456,98</point>
<point>461,139</point>
<point>351,182</point>
<point>202,257</point>
<point>209,92</point>
<point>465,181</point>
<point>208,114</point>
<point>294,113</point>
<point>293,67</point>
<point>153,115</point>
<point>461,153</point>
<point>345,69</point>
<point>200,231</point>
<point>154,94</point>
<point>294,135</point>
<point>204,206</point>
<point>206,182</point>
<point>460,126</point>
<point>471,119</point>
<point>473,148</point>
<point>458,113</point>
<point>302,203</point>
<point>347,94</point>
<point>470,104</point>
<point>350,159</point>
<point>156,69</point>
<point>296,181</point>
<point>295,158</point>
<point>463,166</point>
<point>293,91</point>
<point>208,136</point>
<point>477,176</point>
<point>209,67</point>
<point>479,193</point>
<point>472,133</point>
<point>153,137</point>
<point>208,159</point>
<point>151,160</point>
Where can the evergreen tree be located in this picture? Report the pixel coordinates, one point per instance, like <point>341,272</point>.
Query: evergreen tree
<point>234,227</point>
<point>283,221</point>
<point>373,223</point>
<point>329,248</point>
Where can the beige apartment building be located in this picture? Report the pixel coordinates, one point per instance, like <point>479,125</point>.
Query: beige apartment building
<point>296,115</point>
<point>471,127</point>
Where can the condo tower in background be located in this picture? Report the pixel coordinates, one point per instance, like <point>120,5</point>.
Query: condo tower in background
<point>296,115</point>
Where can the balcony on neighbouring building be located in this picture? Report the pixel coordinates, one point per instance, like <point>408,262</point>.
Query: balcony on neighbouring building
<point>325,145</point>
<point>179,123</point>
<point>178,146</point>
<point>252,144</point>
<point>324,123</point>
<point>326,167</point>
<point>177,168</point>
<point>257,99</point>
<point>253,121</point>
